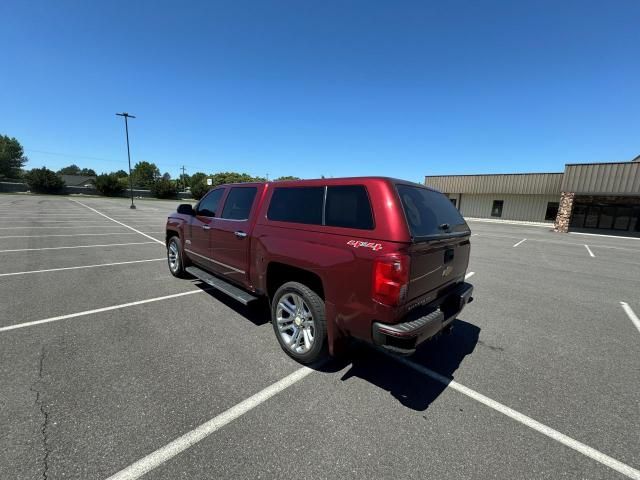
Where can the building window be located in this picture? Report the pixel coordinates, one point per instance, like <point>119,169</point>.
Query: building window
<point>496,209</point>
<point>453,201</point>
<point>552,211</point>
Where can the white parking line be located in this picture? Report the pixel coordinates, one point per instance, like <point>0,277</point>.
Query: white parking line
<point>74,246</point>
<point>180,444</point>
<point>97,310</point>
<point>631,314</point>
<point>525,420</point>
<point>589,250</point>
<point>80,267</point>
<point>469,275</point>
<point>120,223</point>
<point>602,235</point>
<point>520,242</point>
<point>79,226</point>
<point>74,235</point>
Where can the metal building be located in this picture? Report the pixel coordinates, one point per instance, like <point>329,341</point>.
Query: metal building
<point>586,197</point>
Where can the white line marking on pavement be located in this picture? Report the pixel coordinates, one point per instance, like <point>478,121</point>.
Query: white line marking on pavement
<point>469,275</point>
<point>83,226</point>
<point>120,223</point>
<point>602,235</point>
<point>525,420</point>
<point>80,267</point>
<point>74,235</point>
<point>631,314</point>
<point>510,222</point>
<point>520,242</point>
<point>97,310</point>
<point>74,246</point>
<point>589,250</point>
<point>180,444</point>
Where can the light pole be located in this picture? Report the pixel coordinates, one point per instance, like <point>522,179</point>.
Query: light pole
<point>126,128</point>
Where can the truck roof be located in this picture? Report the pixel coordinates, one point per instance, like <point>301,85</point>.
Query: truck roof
<point>333,181</point>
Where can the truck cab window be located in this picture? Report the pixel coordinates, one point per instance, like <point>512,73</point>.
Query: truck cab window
<point>239,202</point>
<point>209,204</point>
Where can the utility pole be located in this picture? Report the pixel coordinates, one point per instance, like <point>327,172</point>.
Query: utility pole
<point>184,181</point>
<point>126,128</point>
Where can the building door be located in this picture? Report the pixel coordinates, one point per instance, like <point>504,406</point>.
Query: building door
<point>592,217</point>
<point>635,220</point>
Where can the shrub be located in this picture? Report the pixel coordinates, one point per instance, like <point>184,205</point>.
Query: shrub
<point>199,188</point>
<point>163,188</point>
<point>109,185</point>
<point>43,180</point>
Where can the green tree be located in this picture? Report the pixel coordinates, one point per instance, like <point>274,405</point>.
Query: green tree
<point>12,157</point>
<point>72,169</point>
<point>88,172</point>
<point>145,174</point>
<point>230,177</point>
<point>121,174</point>
<point>109,184</point>
<point>166,176</point>
<point>163,188</point>
<point>288,177</point>
<point>43,180</point>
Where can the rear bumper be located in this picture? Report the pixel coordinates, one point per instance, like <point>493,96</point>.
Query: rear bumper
<point>423,322</point>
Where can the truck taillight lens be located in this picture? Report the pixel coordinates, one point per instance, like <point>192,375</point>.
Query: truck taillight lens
<point>390,279</point>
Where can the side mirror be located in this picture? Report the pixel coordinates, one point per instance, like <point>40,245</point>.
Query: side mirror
<point>186,209</point>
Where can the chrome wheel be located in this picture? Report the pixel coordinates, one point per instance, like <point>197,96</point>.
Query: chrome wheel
<point>173,256</point>
<point>295,323</point>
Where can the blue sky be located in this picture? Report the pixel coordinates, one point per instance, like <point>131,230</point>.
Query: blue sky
<point>335,88</point>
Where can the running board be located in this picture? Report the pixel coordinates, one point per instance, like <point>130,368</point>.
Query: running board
<point>219,284</point>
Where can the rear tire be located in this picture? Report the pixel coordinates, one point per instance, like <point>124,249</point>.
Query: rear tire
<point>175,257</point>
<point>298,319</point>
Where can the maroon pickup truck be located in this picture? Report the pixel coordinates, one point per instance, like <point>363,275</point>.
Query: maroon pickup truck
<point>377,259</point>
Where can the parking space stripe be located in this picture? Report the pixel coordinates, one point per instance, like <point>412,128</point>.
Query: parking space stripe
<point>74,246</point>
<point>469,275</point>
<point>120,223</point>
<point>74,235</point>
<point>97,310</point>
<point>79,267</point>
<point>520,242</point>
<point>523,419</point>
<point>180,444</point>
<point>631,314</point>
<point>79,226</point>
<point>604,235</point>
<point>589,250</point>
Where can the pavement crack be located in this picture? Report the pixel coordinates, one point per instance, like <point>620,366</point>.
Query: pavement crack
<point>45,416</point>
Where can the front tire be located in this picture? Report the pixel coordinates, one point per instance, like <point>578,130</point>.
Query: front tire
<point>175,258</point>
<point>298,319</point>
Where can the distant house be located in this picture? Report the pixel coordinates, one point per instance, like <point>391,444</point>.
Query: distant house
<point>78,180</point>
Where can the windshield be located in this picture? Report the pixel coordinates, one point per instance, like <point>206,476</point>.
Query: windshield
<point>430,213</point>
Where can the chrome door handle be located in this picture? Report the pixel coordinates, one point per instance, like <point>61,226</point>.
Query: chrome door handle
<point>206,227</point>
<point>240,234</point>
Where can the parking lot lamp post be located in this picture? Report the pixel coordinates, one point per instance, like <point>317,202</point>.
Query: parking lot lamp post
<point>126,128</point>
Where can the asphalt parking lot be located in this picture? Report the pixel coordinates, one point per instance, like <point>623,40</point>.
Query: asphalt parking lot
<point>105,358</point>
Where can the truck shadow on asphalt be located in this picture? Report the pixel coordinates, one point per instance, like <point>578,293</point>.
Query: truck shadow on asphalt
<point>443,354</point>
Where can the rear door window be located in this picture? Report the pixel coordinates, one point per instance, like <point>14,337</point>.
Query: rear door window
<point>297,205</point>
<point>209,204</point>
<point>348,207</point>
<point>239,202</point>
<point>430,213</point>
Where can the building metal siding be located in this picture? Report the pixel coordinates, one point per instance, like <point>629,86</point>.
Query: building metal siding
<point>530,183</point>
<point>602,178</point>
<point>528,208</point>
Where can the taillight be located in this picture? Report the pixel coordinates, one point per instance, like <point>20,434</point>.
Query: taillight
<point>390,279</point>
